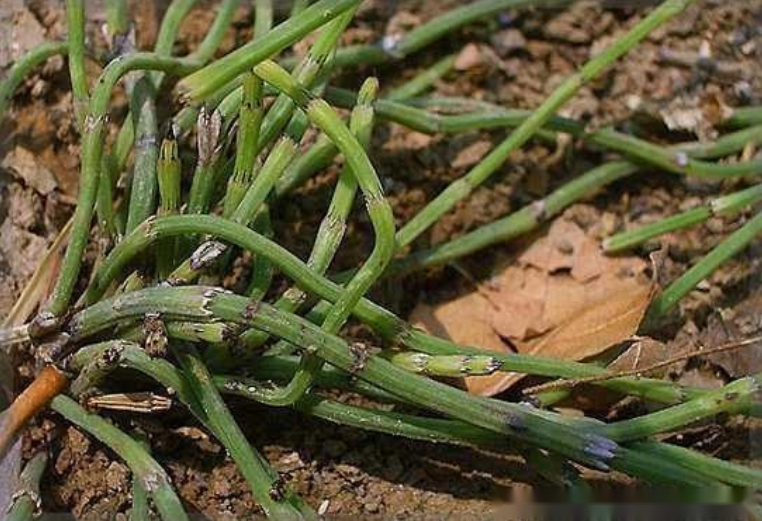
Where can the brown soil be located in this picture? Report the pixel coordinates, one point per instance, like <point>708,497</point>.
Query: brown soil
<point>515,61</point>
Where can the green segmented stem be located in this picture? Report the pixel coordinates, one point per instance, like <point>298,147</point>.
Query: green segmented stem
<point>263,17</point>
<point>282,369</point>
<point>262,480</point>
<point>397,48</point>
<point>144,185</point>
<point>745,117</point>
<point>729,247</point>
<point>639,460</point>
<point>141,510</point>
<point>315,63</point>
<point>283,153</point>
<point>192,391</point>
<point>678,162</point>
<point>117,18</point>
<point>250,117</point>
<point>145,124</point>
<point>418,428</point>
<point>169,173</point>
<point>75,22</point>
<point>529,217</point>
<point>392,328</point>
<point>333,225</point>
<point>279,158</point>
<point>216,32</point>
<point>115,162</point>
<point>379,211</point>
<point>154,479</point>
<point>423,81</point>
<point>262,271</point>
<point>482,115</point>
<point>26,499</point>
<point>737,396</point>
<point>92,150</point>
<point>206,81</point>
<point>518,223</point>
<point>661,469</point>
<point>523,423</point>
<point>23,66</point>
<point>249,122</point>
<point>707,466</point>
<point>196,332</point>
<point>725,205</point>
<point>460,189</point>
<point>444,365</point>
<point>315,159</point>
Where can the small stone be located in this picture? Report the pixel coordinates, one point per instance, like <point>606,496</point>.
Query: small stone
<point>508,41</point>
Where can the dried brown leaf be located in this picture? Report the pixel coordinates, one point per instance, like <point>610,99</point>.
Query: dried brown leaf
<point>562,298</point>
<point>465,320</point>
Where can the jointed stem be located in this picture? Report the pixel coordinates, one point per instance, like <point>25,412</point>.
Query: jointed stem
<point>262,480</point>
<point>23,66</point>
<point>460,189</point>
<point>92,149</point>
<point>75,21</point>
<point>144,186</point>
<point>735,397</point>
<point>154,479</point>
<point>721,206</point>
<point>206,81</point>
<point>646,460</point>
<point>204,303</point>
<point>424,80</point>
<point>730,246</point>
<point>383,322</point>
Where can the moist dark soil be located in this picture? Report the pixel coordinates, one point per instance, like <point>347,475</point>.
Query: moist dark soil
<point>676,86</point>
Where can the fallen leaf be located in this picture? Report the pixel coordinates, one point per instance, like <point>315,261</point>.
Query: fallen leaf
<point>730,325</point>
<point>643,354</point>
<point>561,298</point>
<point>40,285</point>
<point>464,321</point>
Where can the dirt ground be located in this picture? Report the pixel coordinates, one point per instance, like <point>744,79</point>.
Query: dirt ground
<point>669,87</point>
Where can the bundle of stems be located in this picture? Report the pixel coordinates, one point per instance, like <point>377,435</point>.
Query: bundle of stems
<point>153,301</point>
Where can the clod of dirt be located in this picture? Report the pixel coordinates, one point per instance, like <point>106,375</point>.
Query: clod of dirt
<point>508,41</point>
<point>22,32</point>
<point>562,298</point>
<point>22,163</point>
<point>479,58</point>
<point>472,154</point>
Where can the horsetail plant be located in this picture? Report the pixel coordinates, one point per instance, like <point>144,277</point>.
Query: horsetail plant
<point>169,176</point>
<point>143,309</point>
